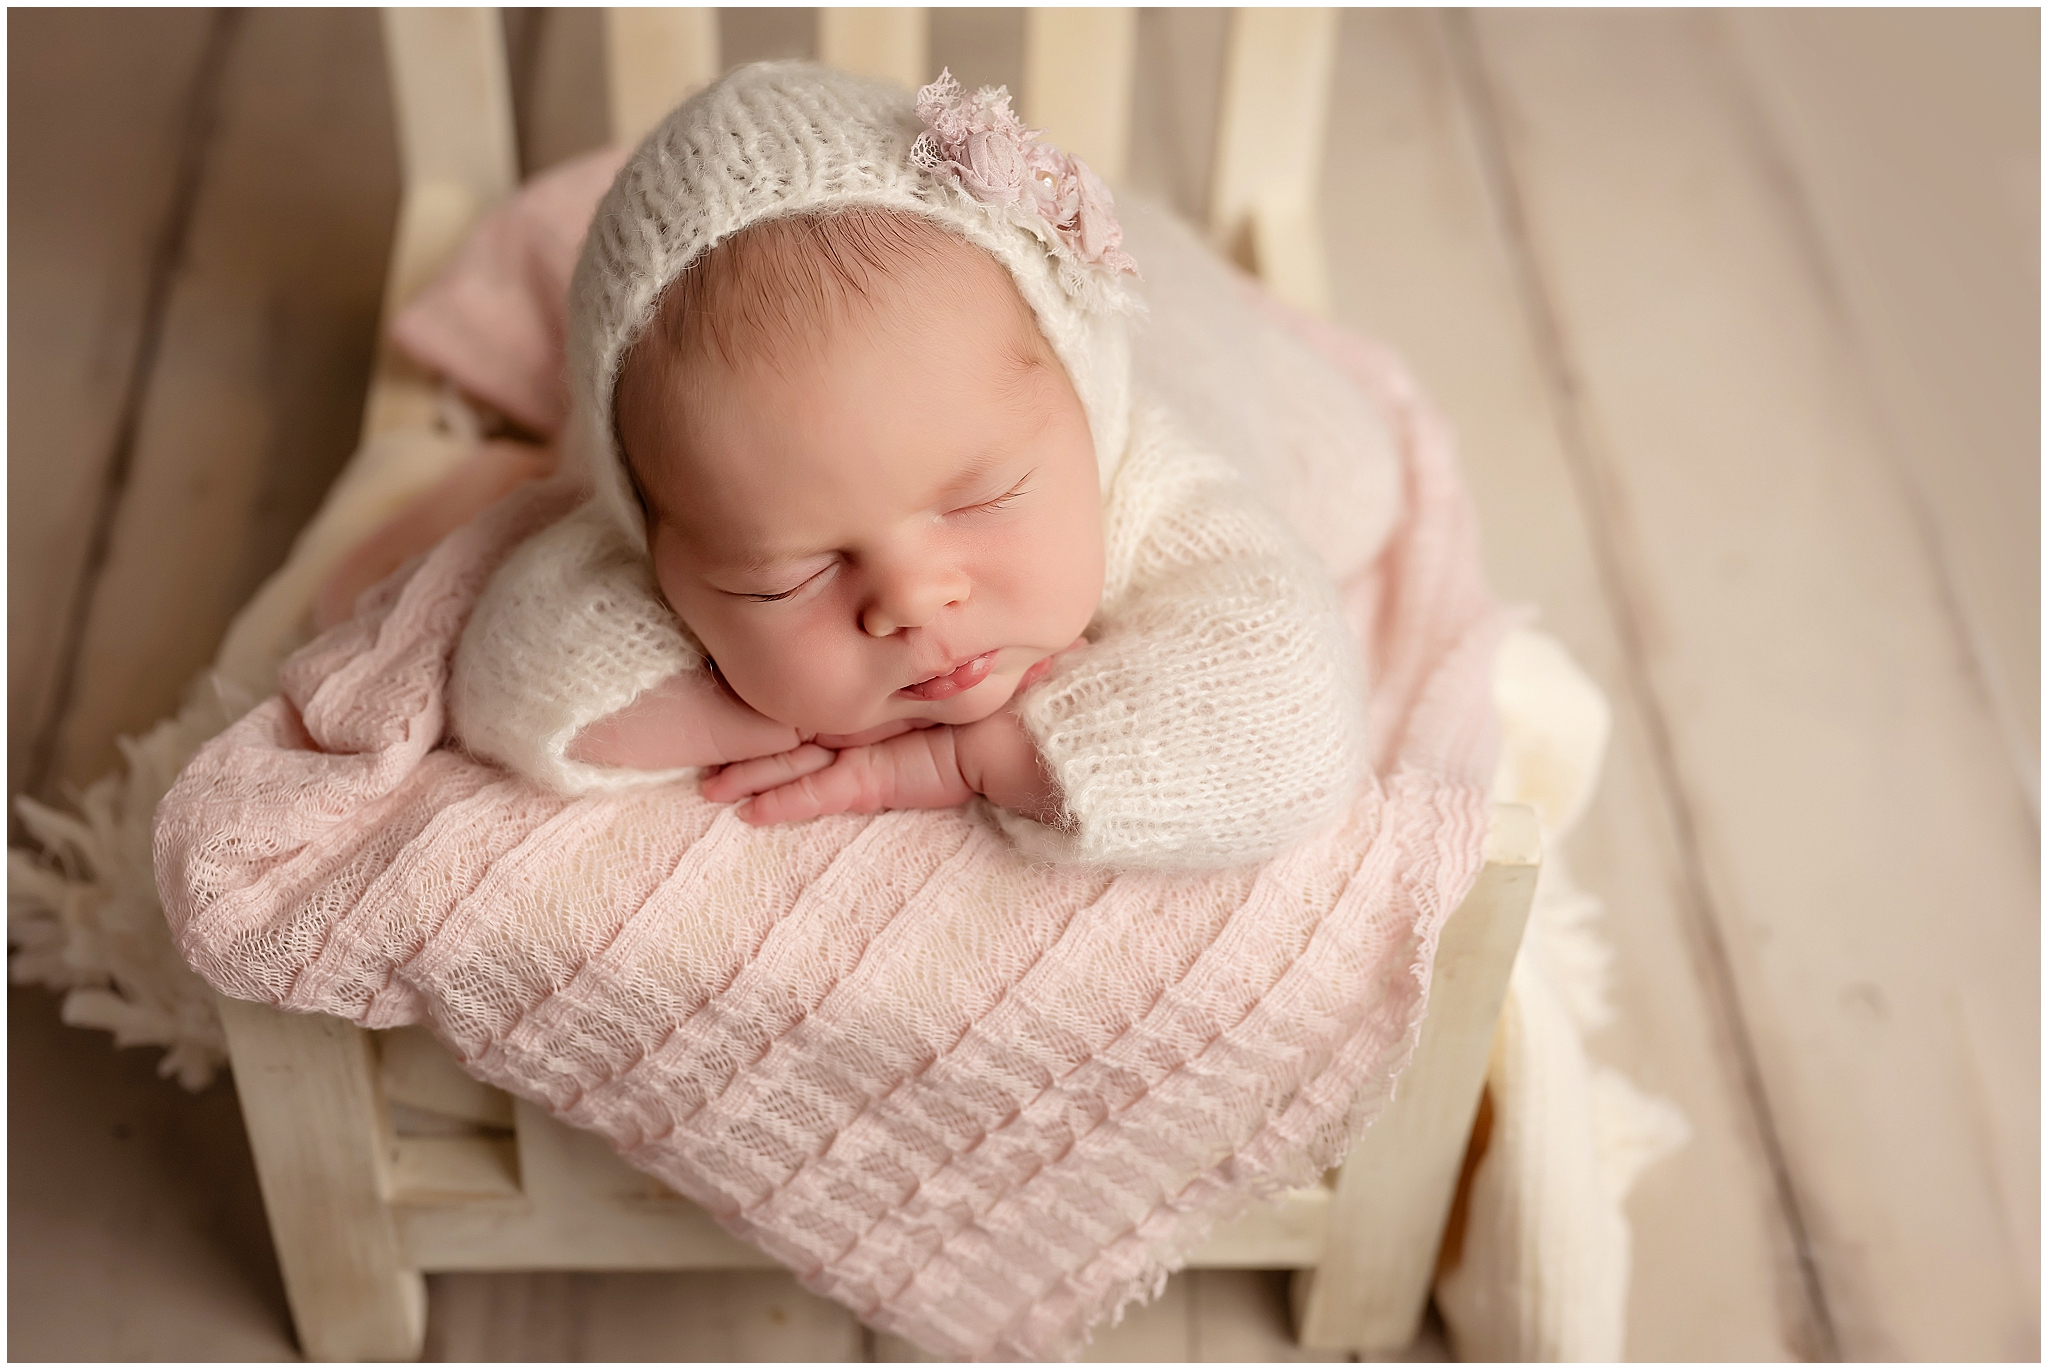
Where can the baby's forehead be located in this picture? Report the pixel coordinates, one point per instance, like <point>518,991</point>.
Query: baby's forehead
<point>773,300</point>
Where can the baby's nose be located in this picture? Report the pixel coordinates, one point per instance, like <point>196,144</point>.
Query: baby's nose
<point>912,600</point>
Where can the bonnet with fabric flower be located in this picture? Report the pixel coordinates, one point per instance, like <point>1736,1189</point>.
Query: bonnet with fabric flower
<point>788,138</point>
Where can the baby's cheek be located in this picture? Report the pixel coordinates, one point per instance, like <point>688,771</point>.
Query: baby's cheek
<point>1066,598</point>
<point>809,680</point>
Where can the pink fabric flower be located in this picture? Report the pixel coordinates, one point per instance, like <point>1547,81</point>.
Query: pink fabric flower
<point>992,168</point>
<point>979,142</point>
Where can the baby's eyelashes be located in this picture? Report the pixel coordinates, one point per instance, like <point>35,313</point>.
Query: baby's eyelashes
<point>773,596</point>
<point>1002,501</point>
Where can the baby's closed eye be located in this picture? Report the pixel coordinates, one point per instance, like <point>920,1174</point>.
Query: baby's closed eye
<point>784,594</point>
<point>804,580</point>
<point>1002,501</point>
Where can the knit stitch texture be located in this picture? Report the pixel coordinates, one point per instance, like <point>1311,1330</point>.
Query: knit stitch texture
<point>778,139</point>
<point>1214,715</point>
<point>982,1101</point>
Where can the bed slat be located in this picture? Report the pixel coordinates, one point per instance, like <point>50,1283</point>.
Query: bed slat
<point>891,44</point>
<point>452,99</point>
<point>1078,66</point>
<point>655,58</point>
<point>1269,149</point>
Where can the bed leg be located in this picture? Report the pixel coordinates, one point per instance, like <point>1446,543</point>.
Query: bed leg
<point>316,1123</point>
<point>1394,1193</point>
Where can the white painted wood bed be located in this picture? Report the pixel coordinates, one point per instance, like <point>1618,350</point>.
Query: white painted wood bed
<point>380,1160</point>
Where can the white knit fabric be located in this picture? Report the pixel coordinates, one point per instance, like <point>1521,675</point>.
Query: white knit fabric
<point>1543,1273</point>
<point>572,633</point>
<point>779,139</point>
<point>1215,715</point>
<point>1213,718</point>
<point>1302,434</point>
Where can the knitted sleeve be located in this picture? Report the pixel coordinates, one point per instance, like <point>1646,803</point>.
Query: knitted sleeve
<point>569,631</point>
<point>1217,714</point>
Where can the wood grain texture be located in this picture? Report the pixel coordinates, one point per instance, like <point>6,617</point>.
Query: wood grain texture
<point>134,1223</point>
<point>1910,143</point>
<point>255,399</point>
<point>1393,1194</point>
<point>416,1070</point>
<point>318,1131</point>
<point>98,133</point>
<point>890,44</point>
<point>1079,66</point>
<point>1419,260</point>
<point>446,1170</point>
<point>738,1315</point>
<point>1846,792</point>
<point>655,58</point>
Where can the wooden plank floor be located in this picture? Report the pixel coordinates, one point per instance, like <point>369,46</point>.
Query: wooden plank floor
<point>1738,318</point>
<point>87,274</point>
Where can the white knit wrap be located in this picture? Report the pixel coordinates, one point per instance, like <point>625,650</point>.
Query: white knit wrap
<point>778,139</point>
<point>1216,715</point>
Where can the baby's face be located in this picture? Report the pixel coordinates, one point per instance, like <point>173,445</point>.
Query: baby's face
<point>893,519</point>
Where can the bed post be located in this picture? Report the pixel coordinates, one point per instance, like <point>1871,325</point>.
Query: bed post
<point>1080,69</point>
<point>316,1123</point>
<point>1275,101</point>
<point>1394,1193</point>
<point>653,59</point>
<point>890,44</point>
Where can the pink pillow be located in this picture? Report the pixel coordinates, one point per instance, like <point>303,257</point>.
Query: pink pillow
<point>494,320</point>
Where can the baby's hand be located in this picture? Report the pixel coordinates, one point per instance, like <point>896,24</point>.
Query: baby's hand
<point>929,768</point>
<point>915,769</point>
<point>899,766</point>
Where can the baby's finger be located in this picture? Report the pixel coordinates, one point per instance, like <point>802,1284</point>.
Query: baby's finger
<point>743,778</point>
<point>856,781</point>
<point>832,790</point>
<point>920,771</point>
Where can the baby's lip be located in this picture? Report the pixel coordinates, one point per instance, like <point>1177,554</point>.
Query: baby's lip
<point>957,680</point>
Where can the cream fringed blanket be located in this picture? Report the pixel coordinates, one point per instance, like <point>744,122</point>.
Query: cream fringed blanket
<point>983,1103</point>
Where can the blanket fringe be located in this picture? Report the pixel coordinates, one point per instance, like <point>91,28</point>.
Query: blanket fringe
<point>83,916</point>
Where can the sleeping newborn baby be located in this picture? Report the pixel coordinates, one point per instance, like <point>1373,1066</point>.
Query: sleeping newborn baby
<point>876,522</point>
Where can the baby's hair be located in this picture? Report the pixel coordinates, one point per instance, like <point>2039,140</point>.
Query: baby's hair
<point>769,287</point>
<point>765,287</point>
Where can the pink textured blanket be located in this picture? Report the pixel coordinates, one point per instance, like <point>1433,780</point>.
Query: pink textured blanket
<point>982,1103</point>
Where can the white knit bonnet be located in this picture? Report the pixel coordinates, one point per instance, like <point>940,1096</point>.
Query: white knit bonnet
<point>786,138</point>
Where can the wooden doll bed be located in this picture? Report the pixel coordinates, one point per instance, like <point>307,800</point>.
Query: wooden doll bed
<point>379,1160</point>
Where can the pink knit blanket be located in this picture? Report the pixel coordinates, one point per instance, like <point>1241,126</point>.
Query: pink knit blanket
<point>983,1103</point>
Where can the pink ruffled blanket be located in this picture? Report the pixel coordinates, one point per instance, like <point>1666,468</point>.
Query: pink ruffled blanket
<point>982,1103</point>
